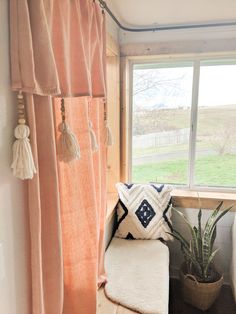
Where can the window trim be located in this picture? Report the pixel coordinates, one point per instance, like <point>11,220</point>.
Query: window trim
<point>208,200</point>
<point>196,58</point>
<point>193,123</point>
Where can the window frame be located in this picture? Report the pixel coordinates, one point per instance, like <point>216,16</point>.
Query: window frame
<point>196,59</point>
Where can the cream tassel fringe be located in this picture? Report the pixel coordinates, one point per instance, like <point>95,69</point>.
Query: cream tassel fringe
<point>69,144</point>
<point>70,149</point>
<point>94,142</point>
<point>23,162</point>
<point>109,138</point>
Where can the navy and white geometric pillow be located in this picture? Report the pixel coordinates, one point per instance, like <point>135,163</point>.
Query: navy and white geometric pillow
<point>144,211</point>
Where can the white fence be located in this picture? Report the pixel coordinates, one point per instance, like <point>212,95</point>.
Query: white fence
<point>180,136</point>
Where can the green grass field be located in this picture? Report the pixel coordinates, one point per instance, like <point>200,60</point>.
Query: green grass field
<point>212,171</point>
<point>137,152</point>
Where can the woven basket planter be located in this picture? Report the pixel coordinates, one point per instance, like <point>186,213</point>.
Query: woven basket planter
<point>201,295</point>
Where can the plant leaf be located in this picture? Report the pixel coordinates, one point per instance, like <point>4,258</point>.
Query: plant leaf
<point>195,243</point>
<point>199,221</point>
<point>199,236</point>
<point>212,217</point>
<point>213,237</point>
<point>209,262</point>
<point>193,234</point>
<point>193,261</point>
<point>210,233</point>
<point>181,239</point>
<point>225,211</point>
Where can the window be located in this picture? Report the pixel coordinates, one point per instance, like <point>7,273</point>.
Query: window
<point>184,123</point>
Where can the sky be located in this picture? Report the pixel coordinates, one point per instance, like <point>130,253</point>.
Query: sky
<point>217,87</point>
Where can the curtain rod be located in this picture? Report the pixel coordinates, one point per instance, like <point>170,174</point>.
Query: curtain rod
<point>104,6</point>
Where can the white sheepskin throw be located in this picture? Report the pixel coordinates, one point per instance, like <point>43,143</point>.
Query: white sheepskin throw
<point>143,211</point>
<point>138,275</point>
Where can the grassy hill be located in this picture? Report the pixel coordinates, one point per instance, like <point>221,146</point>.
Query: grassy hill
<point>151,121</point>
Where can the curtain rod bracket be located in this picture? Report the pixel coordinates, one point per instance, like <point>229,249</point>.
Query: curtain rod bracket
<point>102,4</point>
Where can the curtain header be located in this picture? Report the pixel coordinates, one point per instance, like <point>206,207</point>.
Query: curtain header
<point>58,47</point>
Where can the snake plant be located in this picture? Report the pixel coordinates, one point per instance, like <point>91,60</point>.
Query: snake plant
<point>198,252</point>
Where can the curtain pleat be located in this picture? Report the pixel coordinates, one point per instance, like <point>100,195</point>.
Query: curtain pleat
<point>44,211</point>
<point>33,67</point>
<point>96,114</point>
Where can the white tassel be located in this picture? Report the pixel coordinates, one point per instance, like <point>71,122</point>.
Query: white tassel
<point>109,138</point>
<point>94,142</point>
<point>23,162</point>
<point>70,149</point>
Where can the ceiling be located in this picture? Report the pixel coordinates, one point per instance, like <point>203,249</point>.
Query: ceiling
<point>160,12</point>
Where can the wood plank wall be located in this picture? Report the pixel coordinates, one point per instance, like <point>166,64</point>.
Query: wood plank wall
<point>113,112</point>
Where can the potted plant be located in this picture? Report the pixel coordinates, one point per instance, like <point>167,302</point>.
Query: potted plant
<point>201,282</point>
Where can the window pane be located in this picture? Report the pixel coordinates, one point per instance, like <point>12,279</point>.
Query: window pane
<point>216,128</point>
<point>161,119</point>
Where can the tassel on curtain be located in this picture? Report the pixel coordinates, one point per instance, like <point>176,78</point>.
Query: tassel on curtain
<point>69,145</point>
<point>23,163</point>
<point>109,138</point>
<point>93,138</point>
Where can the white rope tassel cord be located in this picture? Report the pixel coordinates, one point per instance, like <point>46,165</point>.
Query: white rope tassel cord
<point>109,137</point>
<point>69,144</point>
<point>93,138</point>
<point>23,163</point>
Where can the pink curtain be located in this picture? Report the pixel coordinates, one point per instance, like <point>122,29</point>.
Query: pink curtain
<point>58,49</point>
<point>82,198</point>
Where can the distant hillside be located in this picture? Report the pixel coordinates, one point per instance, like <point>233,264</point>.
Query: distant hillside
<point>158,120</point>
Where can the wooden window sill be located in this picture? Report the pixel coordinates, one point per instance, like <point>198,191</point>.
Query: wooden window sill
<point>185,199</point>
<point>209,200</point>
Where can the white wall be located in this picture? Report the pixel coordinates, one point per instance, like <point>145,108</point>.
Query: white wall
<point>178,35</point>
<point>214,39</point>
<point>223,240</point>
<point>112,28</point>
<point>14,270</point>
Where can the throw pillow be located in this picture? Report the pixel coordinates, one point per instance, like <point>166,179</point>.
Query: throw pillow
<point>143,211</point>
